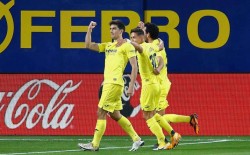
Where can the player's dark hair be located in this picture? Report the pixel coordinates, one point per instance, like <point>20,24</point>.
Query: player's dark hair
<point>118,23</point>
<point>152,29</point>
<point>138,31</point>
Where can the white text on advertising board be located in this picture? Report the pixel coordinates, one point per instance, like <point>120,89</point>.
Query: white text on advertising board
<point>54,114</point>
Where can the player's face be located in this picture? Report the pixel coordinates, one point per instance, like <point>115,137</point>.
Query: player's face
<point>115,32</point>
<point>136,38</point>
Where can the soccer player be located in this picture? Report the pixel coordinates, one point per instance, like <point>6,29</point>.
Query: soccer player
<point>117,55</point>
<point>151,36</point>
<point>147,61</point>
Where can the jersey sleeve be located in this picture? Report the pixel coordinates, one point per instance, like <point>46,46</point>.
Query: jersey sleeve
<point>130,50</point>
<point>102,47</point>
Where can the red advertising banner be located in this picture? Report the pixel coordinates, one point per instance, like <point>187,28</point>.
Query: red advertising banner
<point>66,104</point>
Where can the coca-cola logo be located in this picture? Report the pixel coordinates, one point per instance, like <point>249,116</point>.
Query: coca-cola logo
<point>54,114</point>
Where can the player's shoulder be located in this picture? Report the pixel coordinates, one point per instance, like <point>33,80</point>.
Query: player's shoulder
<point>153,45</point>
<point>127,45</point>
<point>145,45</point>
<point>104,43</point>
<point>109,43</point>
<point>148,46</point>
<point>128,48</point>
<point>156,42</point>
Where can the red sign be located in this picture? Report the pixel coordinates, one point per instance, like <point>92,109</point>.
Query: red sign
<point>66,104</point>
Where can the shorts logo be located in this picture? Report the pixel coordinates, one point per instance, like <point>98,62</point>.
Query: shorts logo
<point>5,12</point>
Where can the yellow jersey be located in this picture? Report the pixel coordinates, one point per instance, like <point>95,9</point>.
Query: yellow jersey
<point>147,61</point>
<point>116,59</point>
<point>163,74</point>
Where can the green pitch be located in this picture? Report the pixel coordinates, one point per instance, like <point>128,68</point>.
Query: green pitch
<point>119,145</point>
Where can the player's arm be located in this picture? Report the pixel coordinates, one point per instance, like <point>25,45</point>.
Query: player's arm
<point>158,69</point>
<point>88,43</point>
<point>133,75</point>
<point>136,45</point>
<point>161,44</point>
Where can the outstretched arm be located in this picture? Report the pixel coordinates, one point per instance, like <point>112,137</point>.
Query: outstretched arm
<point>88,43</point>
<point>133,75</point>
<point>136,46</point>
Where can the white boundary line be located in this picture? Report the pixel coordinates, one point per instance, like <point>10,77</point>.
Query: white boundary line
<point>105,139</point>
<point>125,147</point>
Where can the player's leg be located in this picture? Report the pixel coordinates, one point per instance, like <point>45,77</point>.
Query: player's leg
<point>148,104</point>
<point>161,112</point>
<point>105,105</point>
<point>128,128</point>
<point>99,131</point>
<point>175,137</point>
<point>162,104</point>
<point>100,127</point>
<point>155,128</point>
<point>174,118</point>
<point>125,125</point>
<point>123,121</point>
<point>192,120</point>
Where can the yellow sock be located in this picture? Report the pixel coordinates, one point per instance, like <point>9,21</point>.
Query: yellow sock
<point>155,128</point>
<point>128,128</point>
<point>99,131</point>
<point>176,118</point>
<point>163,123</point>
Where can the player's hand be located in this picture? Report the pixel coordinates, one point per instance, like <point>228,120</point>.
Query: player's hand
<point>156,71</point>
<point>92,25</point>
<point>130,91</point>
<point>127,40</point>
<point>141,25</point>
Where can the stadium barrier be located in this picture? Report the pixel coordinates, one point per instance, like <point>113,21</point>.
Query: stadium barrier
<point>66,104</point>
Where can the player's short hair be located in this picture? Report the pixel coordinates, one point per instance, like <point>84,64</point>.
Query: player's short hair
<point>153,30</point>
<point>138,31</point>
<point>118,23</point>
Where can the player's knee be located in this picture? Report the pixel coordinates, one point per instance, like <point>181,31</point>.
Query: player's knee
<point>116,115</point>
<point>148,114</point>
<point>161,112</point>
<point>101,113</point>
